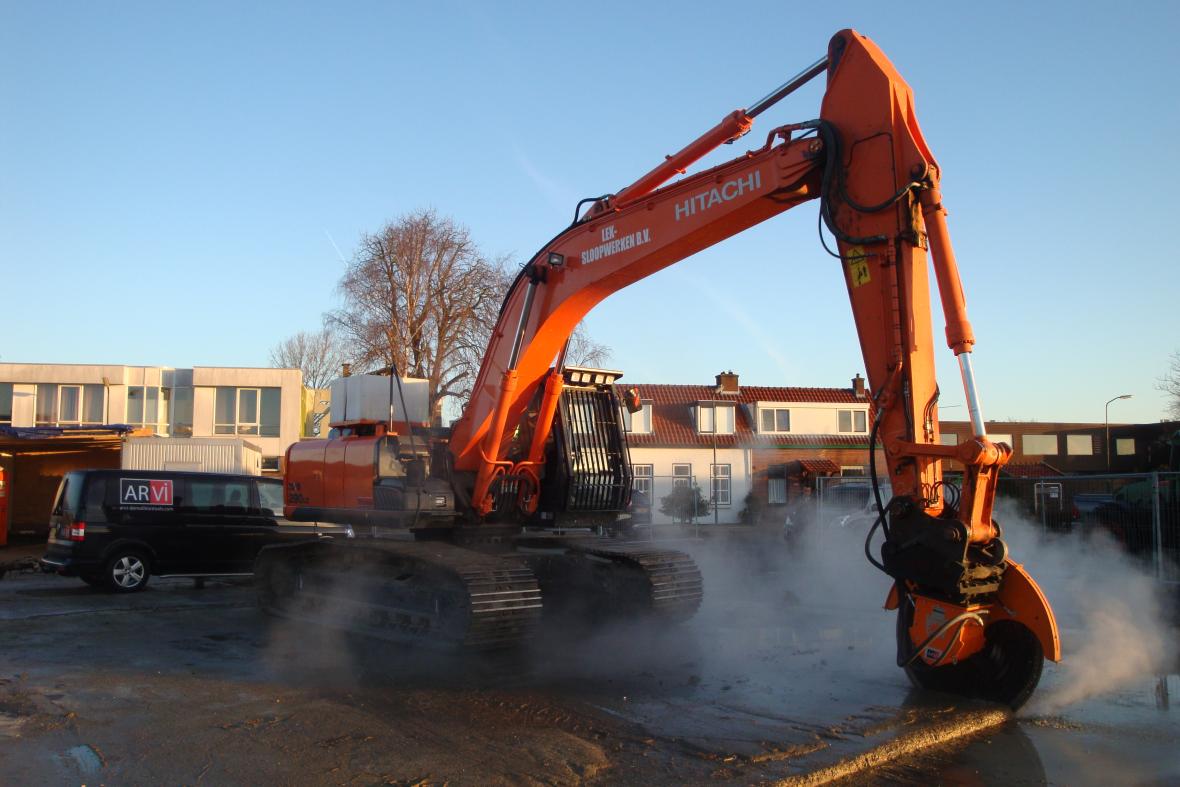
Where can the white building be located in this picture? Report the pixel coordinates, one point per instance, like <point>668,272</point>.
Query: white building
<point>730,441</point>
<point>261,405</point>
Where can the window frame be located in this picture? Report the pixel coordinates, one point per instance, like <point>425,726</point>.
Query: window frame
<point>717,480</point>
<point>77,419</point>
<point>729,427</point>
<point>767,410</point>
<point>143,421</point>
<point>241,426</point>
<point>645,407</point>
<point>1024,444</point>
<point>11,396</point>
<point>256,428</point>
<point>771,484</point>
<point>642,481</point>
<point>682,478</point>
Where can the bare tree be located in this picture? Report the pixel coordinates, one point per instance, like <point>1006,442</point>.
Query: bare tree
<point>421,296</point>
<point>319,355</point>
<point>584,351</point>
<point>1170,385</point>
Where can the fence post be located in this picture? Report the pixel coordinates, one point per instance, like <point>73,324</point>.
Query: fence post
<point>1157,526</point>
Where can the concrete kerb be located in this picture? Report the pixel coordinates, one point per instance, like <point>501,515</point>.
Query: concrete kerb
<point>931,735</point>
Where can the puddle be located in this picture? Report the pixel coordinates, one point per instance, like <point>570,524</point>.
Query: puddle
<point>88,759</point>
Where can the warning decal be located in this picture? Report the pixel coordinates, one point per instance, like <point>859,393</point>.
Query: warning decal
<point>858,266</point>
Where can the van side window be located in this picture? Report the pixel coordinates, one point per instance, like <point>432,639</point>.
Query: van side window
<point>219,495</point>
<point>96,491</point>
<point>270,497</point>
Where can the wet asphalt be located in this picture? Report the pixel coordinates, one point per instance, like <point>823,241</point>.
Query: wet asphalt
<point>785,676</point>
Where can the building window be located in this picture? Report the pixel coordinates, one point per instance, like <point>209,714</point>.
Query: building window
<point>94,404</point>
<point>45,409</point>
<point>247,411</point>
<point>776,491</point>
<point>143,406</point>
<point>774,419</point>
<point>1079,445</point>
<point>5,403</point>
<point>270,464</point>
<point>681,475</point>
<point>640,422</point>
<point>641,477</point>
<point>69,404</point>
<point>948,438</point>
<point>853,470</point>
<point>714,418</point>
<point>66,405</point>
<point>180,412</point>
<point>719,477</point>
<point>853,421</point>
<point>1124,446</point>
<point>1001,438</point>
<point>1039,445</point>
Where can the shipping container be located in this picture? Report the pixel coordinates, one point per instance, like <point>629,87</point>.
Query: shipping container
<point>366,397</point>
<point>197,454</point>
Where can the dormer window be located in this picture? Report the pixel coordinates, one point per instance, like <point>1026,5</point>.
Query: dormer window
<point>637,423</point>
<point>774,420</point>
<point>853,421</point>
<point>715,418</point>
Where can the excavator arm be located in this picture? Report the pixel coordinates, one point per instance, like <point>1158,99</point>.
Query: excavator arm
<point>969,619</point>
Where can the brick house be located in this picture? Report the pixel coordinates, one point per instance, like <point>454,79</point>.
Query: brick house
<point>735,442</point>
<point>1057,448</point>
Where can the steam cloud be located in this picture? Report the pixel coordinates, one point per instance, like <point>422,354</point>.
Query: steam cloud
<point>1116,628</point>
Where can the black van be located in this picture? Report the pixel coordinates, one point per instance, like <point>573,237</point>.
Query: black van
<point>116,528</point>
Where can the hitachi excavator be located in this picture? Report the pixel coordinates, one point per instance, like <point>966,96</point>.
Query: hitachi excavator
<point>469,541</point>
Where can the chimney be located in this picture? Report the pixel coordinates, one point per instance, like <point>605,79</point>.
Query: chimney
<point>858,386</point>
<point>346,370</point>
<point>727,382</point>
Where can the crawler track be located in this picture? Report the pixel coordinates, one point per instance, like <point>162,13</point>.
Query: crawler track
<point>675,587</point>
<point>439,594</point>
<point>602,577</point>
<point>426,593</point>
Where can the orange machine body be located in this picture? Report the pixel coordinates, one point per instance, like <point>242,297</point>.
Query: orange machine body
<point>331,474</point>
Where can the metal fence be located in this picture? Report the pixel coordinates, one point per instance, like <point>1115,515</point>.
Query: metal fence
<point>666,504</point>
<point>1140,512</point>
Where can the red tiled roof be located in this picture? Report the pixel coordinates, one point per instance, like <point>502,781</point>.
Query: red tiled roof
<point>673,424</point>
<point>818,466</point>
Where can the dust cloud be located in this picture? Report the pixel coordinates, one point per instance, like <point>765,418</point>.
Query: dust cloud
<point>1116,628</point>
<point>769,607</point>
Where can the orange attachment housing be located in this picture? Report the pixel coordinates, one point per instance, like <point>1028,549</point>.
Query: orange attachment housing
<point>960,640</point>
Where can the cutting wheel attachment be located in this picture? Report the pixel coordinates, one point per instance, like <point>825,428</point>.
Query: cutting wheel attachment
<point>1006,671</point>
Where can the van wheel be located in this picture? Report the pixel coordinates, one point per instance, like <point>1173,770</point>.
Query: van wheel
<point>127,572</point>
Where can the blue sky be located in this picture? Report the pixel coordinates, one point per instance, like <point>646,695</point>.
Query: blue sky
<point>178,182</point>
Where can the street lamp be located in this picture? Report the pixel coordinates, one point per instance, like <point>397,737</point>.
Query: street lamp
<point>1107,410</point>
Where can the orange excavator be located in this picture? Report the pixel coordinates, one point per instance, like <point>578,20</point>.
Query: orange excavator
<point>471,538</point>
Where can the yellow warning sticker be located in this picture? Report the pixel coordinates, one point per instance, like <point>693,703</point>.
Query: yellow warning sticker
<point>858,266</point>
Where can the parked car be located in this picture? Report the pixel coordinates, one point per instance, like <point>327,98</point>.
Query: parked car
<point>117,528</point>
